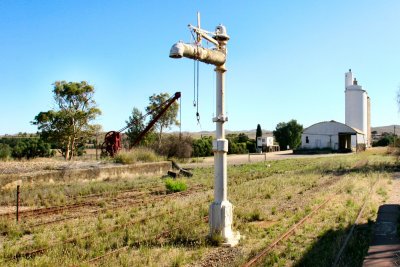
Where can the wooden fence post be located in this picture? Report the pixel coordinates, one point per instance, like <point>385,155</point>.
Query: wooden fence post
<point>17,211</point>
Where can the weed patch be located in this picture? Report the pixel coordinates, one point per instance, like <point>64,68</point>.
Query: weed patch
<point>173,185</point>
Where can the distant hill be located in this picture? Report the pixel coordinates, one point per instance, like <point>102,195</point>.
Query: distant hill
<point>249,133</point>
<point>386,129</point>
<point>252,133</point>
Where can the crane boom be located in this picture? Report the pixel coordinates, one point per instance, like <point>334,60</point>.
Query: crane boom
<point>157,117</point>
<point>112,140</point>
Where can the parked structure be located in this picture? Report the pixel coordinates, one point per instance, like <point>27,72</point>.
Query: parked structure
<point>265,141</point>
<point>358,107</point>
<point>266,144</point>
<point>333,135</point>
<point>355,134</point>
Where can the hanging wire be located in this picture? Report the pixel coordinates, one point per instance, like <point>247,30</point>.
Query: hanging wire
<point>196,74</point>
<point>194,83</point>
<point>197,100</point>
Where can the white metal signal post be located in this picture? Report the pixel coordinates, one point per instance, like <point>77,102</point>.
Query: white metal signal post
<point>220,212</point>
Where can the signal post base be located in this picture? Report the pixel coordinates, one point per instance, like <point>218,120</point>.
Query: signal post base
<point>220,221</point>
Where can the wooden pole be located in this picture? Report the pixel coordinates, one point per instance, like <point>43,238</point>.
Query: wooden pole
<point>17,210</point>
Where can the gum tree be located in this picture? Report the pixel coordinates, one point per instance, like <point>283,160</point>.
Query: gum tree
<point>68,125</point>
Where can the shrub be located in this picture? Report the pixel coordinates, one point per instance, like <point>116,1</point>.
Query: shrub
<point>202,147</point>
<point>237,143</point>
<point>175,146</point>
<point>384,141</point>
<point>5,152</point>
<point>251,145</point>
<point>175,185</point>
<point>27,147</point>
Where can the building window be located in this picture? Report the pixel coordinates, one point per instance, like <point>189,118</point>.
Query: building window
<point>307,141</point>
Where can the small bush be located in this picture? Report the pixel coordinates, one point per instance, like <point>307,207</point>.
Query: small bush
<point>175,146</point>
<point>254,216</point>
<point>175,185</point>
<point>136,155</point>
<point>5,152</point>
<point>202,147</point>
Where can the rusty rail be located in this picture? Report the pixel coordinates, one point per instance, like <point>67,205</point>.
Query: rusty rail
<point>32,253</point>
<point>339,255</point>
<point>154,237</point>
<point>264,252</point>
<point>56,209</point>
<point>138,202</point>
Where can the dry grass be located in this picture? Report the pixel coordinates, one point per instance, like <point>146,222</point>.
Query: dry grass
<point>136,155</point>
<point>268,199</point>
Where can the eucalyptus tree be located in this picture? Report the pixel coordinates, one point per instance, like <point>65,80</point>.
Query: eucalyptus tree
<point>68,125</point>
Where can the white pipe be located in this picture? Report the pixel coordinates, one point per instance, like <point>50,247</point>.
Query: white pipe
<point>205,55</point>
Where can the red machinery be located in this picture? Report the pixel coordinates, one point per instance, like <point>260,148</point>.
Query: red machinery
<point>112,140</point>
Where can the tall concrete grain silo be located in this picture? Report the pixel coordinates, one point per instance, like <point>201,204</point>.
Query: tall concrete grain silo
<point>357,107</point>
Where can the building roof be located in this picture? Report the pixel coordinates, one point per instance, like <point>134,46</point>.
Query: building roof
<point>330,128</point>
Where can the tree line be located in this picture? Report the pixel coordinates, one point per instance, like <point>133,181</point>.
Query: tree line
<point>69,127</point>
<point>23,147</point>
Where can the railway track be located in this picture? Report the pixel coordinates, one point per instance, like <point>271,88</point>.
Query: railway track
<point>33,252</point>
<point>143,199</point>
<point>134,202</point>
<point>163,234</point>
<point>139,187</point>
<point>96,199</point>
<point>130,202</point>
<point>257,259</point>
<point>347,239</point>
<point>261,255</point>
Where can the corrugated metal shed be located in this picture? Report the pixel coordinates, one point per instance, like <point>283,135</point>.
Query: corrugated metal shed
<point>333,135</point>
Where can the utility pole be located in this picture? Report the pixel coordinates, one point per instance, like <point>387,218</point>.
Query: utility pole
<point>221,210</point>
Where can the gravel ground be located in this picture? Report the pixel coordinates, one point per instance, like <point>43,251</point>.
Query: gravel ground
<point>220,257</point>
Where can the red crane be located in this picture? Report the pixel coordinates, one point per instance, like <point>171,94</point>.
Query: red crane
<point>112,140</point>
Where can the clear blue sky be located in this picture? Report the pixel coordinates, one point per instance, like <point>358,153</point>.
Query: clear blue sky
<point>286,59</point>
